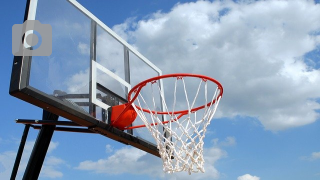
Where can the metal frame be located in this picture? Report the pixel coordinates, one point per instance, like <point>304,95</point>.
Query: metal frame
<point>20,88</point>
<point>40,147</point>
<point>81,121</point>
<point>47,126</point>
<point>37,124</point>
<point>20,151</point>
<point>95,67</point>
<point>93,57</point>
<point>113,34</point>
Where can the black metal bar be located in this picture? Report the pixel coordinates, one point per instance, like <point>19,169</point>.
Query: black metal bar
<point>66,129</point>
<point>74,96</point>
<point>47,122</point>
<point>26,11</point>
<point>82,103</point>
<point>19,153</point>
<point>93,49</point>
<point>104,114</point>
<point>40,148</point>
<point>127,76</point>
<point>109,92</point>
<point>21,64</point>
<point>69,111</point>
<point>109,111</point>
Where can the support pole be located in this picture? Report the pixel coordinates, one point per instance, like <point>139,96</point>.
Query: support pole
<point>93,57</point>
<point>40,148</point>
<point>20,151</point>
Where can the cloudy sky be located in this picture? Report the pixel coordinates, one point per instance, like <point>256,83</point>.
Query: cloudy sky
<point>266,54</point>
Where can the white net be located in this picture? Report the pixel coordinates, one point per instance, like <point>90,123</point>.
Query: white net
<point>179,137</point>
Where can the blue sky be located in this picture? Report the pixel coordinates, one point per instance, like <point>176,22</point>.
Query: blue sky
<point>265,53</point>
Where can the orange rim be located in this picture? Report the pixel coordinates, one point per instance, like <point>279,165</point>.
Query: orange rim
<point>136,90</point>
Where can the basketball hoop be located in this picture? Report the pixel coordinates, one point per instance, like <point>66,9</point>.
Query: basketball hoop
<point>179,134</point>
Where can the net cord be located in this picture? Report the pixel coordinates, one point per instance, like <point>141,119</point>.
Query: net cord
<point>188,154</point>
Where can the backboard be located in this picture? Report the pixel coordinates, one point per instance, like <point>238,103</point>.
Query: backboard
<point>90,69</point>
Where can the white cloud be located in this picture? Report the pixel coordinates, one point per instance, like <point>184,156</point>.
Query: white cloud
<point>49,169</point>
<point>109,148</point>
<point>248,177</point>
<point>134,161</point>
<point>50,172</point>
<point>52,146</point>
<point>125,160</point>
<point>255,49</point>
<point>314,156</point>
<point>51,161</point>
<point>228,141</point>
<point>6,163</point>
<point>78,83</point>
<point>83,48</point>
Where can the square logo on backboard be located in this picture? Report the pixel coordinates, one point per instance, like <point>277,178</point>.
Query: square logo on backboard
<point>32,39</point>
